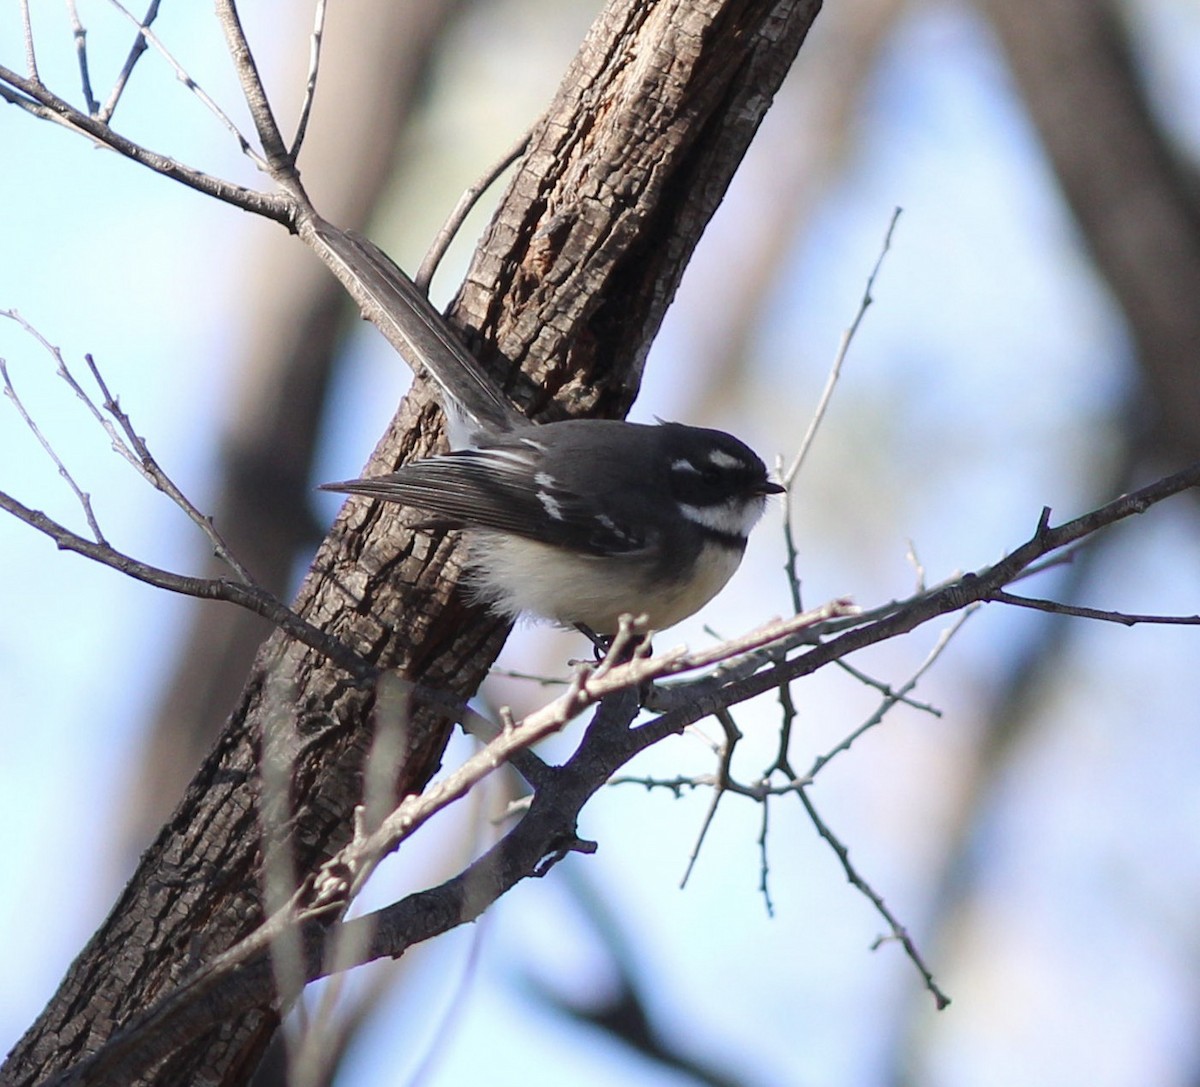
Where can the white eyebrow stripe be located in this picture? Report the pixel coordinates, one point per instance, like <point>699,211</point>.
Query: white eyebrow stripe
<point>682,465</point>
<point>722,459</point>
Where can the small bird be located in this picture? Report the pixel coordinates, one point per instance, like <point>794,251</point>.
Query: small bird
<point>583,520</point>
<point>579,521</point>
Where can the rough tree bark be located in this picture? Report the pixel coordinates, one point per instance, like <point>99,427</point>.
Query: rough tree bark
<point>569,286</point>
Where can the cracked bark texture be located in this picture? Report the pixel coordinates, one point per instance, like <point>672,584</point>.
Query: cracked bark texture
<point>564,296</point>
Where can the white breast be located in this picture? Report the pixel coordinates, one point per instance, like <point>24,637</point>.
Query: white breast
<point>512,576</point>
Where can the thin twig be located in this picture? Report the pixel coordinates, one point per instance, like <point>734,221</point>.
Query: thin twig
<point>79,35</point>
<point>843,347</point>
<point>898,931</point>
<point>140,457</point>
<point>31,67</point>
<point>897,696</point>
<point>1124,618</point>
<point>82,496</point>
<point>135,51</point>
<point>182,75</point>
<point>310,86</point>
<point>675,785</point>
<point>37,100</point>
<point>132,447</point>
<point>249,597</point>
<point>787,706</point>
<point>764,866</point>
<point>887,690</point>
<point>462,209</point>
<point>541,681</point>
<point>721,785</point>
<point>789,474</point>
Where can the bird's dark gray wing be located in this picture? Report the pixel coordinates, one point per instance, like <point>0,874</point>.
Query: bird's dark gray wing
<point>505,488</point>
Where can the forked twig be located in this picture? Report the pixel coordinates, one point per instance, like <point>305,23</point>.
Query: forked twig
<point>897,696</point>
<point>82,496</point>
<point>249,597</point>
<point>37,100</point>
<point>144,32</point>
<point>138,47</point>
<point>125,441</point>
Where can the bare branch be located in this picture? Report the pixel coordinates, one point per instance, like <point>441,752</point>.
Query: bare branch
<point>138,454</point>
<point>132,447</point>
<point>310,86</point>
<point>32,97</point>
<point>79,35</point>
<point>898,931</point>
<point>900,618</point>
<point>182,75</point>
<point>245,596</point>
<point>135,51</point>
<point>1124,618</point>
<point>894,697</point>
<point>278,163</point>
<point>84,499</point>
<point>543,836</point>
<point>31,67</point>
<point>341,878</point>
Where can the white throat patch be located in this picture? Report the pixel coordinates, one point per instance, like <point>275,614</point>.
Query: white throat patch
<point>733,517</point>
